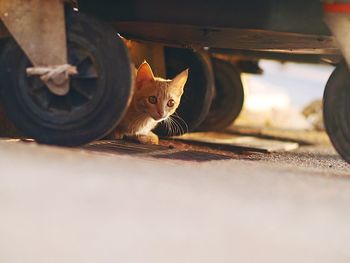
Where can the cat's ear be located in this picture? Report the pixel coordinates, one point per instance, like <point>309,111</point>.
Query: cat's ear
<point>180,80</point>
<point>144,73</point>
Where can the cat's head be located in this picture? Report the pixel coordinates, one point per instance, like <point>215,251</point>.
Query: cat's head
<point>156,96</point>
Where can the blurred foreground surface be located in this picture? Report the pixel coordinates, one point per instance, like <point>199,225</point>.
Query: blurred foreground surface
<point>96,205</point>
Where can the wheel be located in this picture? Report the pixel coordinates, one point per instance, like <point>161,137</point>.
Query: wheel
<point>198,93</point>
<point>229,97</point>
<point>336,109</point>
<point>3,42</point>
<point>98,95</point>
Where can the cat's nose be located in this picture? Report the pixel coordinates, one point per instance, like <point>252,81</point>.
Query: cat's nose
<point>160,113</point>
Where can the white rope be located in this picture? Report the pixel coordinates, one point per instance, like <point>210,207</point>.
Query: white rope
<point>57,74</point>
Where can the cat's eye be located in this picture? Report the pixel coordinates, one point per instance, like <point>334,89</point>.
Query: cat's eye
<point>152,99</point>
<point>171,103</point>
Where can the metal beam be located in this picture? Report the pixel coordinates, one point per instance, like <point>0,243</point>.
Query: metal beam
<point>303,58</point>
<point>228,38</point>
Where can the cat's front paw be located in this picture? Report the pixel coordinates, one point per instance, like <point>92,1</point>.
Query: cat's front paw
<point>150,138</point>
<point>114,136</point>
<point>118,135</point>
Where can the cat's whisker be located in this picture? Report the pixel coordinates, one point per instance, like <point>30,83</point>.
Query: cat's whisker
<point>168,127</point>
<point>184,130</point>
<point>172,127</point>
<point>179,128</point>
<point>183,121</point>
<point>184,127</point>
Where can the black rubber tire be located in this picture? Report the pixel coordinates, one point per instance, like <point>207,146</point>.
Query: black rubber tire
<point>229,97</point>
<point>198,93</point>
<point>336,110</point>
<point>98,96</point>
<point>3,42</point>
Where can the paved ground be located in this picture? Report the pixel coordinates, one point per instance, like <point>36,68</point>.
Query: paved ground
<point>93,205</point>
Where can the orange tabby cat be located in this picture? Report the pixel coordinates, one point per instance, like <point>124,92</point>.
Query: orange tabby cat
<point>154,100</point>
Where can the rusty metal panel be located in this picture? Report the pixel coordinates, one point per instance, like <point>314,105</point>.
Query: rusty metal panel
<point>153,53</point>
<point>39,28</point>
<point>339,25</point>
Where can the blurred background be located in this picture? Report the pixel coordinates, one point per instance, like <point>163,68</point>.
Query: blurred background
<point>287,95</point>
